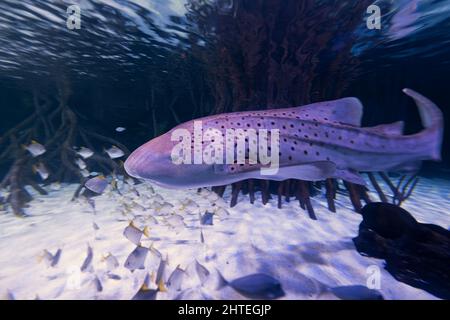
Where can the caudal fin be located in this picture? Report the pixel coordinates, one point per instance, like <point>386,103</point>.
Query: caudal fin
<point>221,281</point>
<point>432,120</point>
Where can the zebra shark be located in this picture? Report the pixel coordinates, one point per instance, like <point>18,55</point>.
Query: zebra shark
<point>317,141</point>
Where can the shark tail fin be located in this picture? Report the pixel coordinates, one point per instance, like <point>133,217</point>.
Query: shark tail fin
<point>432,120</point>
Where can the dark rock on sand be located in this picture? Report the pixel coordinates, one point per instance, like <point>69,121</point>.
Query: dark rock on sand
<point>415,253</point>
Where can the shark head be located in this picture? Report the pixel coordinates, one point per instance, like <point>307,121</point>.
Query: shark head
<point>153,162</point>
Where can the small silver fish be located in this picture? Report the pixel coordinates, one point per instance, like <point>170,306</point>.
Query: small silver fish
<point>202,272</point>
<point>41,169</point>
<point>91,203</point>
<point>111,262</point>
<point>56,258</point>
<point>202,237</point>
<point>97,184</point>
<point>256,286</point>
<point>114,152</point>
<point>85,173</point>
<point>155,253</point>
<point>136,259</point>
<point>10,295</point>
<point>145,293</point>
<point>35,148</point>
<point>120,129</point>
<point>175,279</point>
<point>98,284</point>
<point>160,275</point>
<point>207,219</point>
<point>113,276</point>
<point>46,256</point>
<point>80,163</point>
<point>87,262</point>
<point>175,221</point>
<point>85,153</point>
<point>134,234</point>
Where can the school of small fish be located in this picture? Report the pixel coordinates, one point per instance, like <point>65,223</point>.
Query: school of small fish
<point>141,210</point>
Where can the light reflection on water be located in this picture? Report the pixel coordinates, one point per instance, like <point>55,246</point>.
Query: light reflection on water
<point>121,36</point>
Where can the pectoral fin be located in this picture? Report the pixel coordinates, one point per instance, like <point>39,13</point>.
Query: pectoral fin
<point>313,171</point>
<point>409,167</point>
<point>350,176</point>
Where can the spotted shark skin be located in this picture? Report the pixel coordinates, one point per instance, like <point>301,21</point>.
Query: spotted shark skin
<point>317,141</point>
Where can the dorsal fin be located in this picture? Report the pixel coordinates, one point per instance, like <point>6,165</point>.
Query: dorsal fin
<point>346,111</point>
<point>394,129</point>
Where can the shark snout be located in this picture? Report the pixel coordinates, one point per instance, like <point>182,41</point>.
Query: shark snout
<point>144,163</point>
<point>135,162</point>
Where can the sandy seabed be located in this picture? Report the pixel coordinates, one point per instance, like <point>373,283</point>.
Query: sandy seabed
<point>306,256</point>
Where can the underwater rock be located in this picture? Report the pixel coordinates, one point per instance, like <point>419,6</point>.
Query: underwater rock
<point>357,292</point>
<point>388,220</point>
<point>415,253</point>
